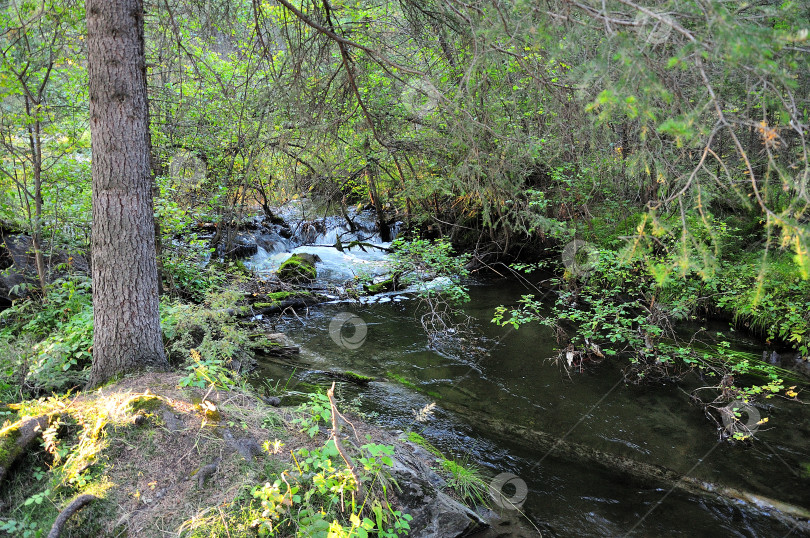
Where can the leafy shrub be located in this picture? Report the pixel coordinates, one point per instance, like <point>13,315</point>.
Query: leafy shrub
<point>420,261</point>
<point>318,495</point>
<point>63,324</point>
<point>207,338</point>
<point>623,310</point>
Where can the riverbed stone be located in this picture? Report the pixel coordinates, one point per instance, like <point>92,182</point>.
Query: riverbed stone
<point>298,269</point>
<point>434,512</point>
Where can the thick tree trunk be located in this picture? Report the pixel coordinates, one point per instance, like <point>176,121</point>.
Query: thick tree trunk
<point>127,333</point>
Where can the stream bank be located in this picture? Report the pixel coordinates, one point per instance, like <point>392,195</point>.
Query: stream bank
<point>161,458</point>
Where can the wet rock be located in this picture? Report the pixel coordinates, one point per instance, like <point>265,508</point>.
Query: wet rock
<point>435,513</point>
<point>298,269</point>
<point>772,357</point>
<point>308,231</point>
<point>238,250</point>
<point>382,284</point>
<point>508,524</point>
<point>272,242</point>
<point>309,258</point>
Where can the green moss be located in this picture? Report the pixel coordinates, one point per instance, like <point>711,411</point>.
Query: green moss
<point>277,296</point>
<point>417,439</point>
<point>381,287</point>
<point>298,270</point>
<point>402,381</point>
<point>8,438</point>
<point>265,343</point>
<point>145,402</point>
<point>351,377</point>
<point>360,378</point>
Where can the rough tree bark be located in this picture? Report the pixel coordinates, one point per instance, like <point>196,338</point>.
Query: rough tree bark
<point>127,333</point>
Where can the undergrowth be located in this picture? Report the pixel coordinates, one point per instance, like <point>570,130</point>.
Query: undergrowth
<point>627,304</point>
<point>318,495</point>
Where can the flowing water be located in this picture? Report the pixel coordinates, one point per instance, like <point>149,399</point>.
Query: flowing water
<point>503,376</point>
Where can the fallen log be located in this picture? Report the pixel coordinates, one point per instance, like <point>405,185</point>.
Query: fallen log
<point>351,377</point>
<point>14,440</point>
<point>281,351</point>
<point>277,307</point>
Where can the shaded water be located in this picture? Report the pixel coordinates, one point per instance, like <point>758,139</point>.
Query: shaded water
<point>505,376</point>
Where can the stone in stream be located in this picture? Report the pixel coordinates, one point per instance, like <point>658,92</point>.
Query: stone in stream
<point>435,513</point>
<point>272,242</point>
<point>298,269</point>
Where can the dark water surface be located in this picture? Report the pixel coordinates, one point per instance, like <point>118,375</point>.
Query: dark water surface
<point>504,376</point>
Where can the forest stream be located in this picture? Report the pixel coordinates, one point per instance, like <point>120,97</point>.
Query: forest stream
<point>499,382</point>
<point>551,259</point>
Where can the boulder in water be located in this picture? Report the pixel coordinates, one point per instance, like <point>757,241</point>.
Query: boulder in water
<point>298,269</point>
<point>272,242</point>
<point>309,258</point>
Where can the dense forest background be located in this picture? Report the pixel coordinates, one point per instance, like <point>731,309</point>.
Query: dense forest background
<point>495,125</point>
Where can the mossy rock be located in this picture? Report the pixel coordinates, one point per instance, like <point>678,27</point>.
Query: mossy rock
<point>352,377</point>
<point>357,378</point>
<point>278,301</point>
<point>298,269</point>
<point>389,284</point>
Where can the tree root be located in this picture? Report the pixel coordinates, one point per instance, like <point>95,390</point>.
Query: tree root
<point>77,504</point>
